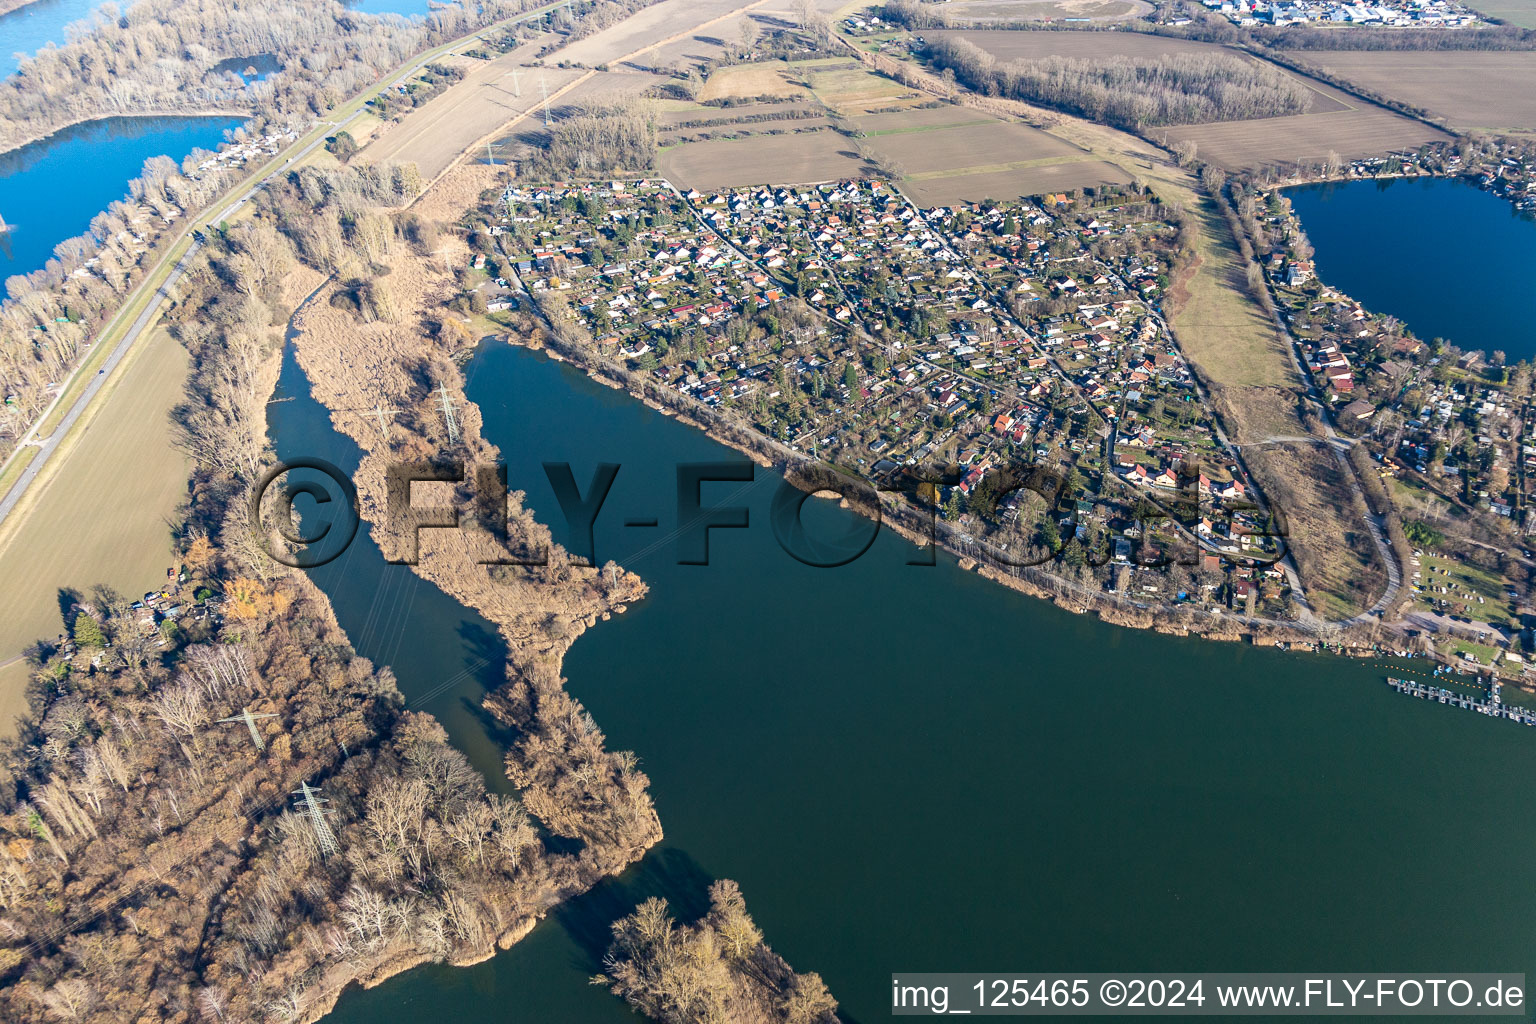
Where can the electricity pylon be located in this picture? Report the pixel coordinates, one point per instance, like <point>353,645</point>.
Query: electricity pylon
<point>250,723</point>
<point>448,418</point>
<point>323,834</point>
<point>382,413</point>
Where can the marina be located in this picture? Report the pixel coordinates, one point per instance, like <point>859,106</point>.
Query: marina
<point>1491,705</point>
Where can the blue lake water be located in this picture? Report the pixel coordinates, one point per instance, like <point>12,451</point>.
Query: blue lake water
<point>51,189</point>
<point>1447,258</point>
<point>36,25</point>
<point>405,7</point>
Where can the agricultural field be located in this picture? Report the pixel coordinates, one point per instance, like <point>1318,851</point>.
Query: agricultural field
<point>808,157</point>
<point>1364,130</point>
<point>851,89</point>
<point>746,81</point>
<point>1015,45</point>
<point>979,145</point>
<point>1336,122</point>
<point>969,11</point>
<point>1485,89</point>
<point>1515,12</point>
<point>101,519</point>
<point>434,134</point>
<point>947,188</point>
<point>940,153</point>
<point>657,26</point>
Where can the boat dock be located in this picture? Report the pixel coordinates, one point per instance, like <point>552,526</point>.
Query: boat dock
<point>1491,705</point>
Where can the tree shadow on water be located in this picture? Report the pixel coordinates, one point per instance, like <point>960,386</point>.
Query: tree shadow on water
<point>666,872</point>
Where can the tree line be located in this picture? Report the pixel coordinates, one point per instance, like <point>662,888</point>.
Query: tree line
<point>155,56</point>
<point>717,970</point>
<point>53,312</point>
<point>596,140</point>
<point>153,866</point>
<point>158,55</point>
<point>1133,93</point>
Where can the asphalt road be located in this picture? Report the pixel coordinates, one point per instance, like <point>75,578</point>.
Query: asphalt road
<point>140,326</point>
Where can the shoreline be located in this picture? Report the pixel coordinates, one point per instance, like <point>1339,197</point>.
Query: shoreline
<point>1112,609</point>
<point>12,6</point>
<point>538,620</point>
<point>37,139</point>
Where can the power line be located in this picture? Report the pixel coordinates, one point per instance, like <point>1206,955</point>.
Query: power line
<point>250,723</point>
<point>323,834</point>
<point>448,417</point>
<point>382,413</point>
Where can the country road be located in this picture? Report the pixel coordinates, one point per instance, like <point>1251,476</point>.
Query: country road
<point>141,325</point>
<point>144,322</point>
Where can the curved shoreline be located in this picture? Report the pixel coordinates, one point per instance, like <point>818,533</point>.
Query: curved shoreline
<point>1109,608</point>
<point>38,139</point>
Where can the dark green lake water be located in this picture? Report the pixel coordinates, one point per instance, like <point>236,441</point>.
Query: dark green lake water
<point>1447,258</point>
<point>912,769</point>
<point>51,189</point>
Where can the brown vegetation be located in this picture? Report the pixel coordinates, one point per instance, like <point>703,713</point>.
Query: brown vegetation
<point>157,58</point>
<point>1128,92</point>
<point>714,971</point>
<point>150,868</point>
<point>150,865</point>
<point>1492,90</point>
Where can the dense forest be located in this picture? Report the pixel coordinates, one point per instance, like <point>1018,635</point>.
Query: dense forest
<point>715,971</point>
<point>1132,93</point>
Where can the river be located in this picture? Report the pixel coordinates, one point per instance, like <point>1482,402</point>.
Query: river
<point>51,189</point>
<point>909,768</point>
<point>1447,258</point>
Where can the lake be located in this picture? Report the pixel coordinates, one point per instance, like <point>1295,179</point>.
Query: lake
<point>51,189</point>
<point>909,768</point>
<point>1447,258</point>
<point>30,28</point>
<point>255,68</point>
<point>407,8</point>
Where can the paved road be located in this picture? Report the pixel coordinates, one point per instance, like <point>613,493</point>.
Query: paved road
<point>151,312</point>
<point>49,444</point>
<point>138,329</point>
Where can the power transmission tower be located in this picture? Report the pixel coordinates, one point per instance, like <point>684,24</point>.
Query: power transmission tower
<point>382,413</point>
<point>490,157</point>
<point>544,87</point>
<point>448,417</point>
<point>250,723</point>
<point>323,834</point>
<point>517,86</point>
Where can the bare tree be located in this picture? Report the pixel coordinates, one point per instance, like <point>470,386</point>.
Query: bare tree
<point>180,707</point>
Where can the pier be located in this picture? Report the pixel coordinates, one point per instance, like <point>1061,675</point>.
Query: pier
<point>1491,705</point>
